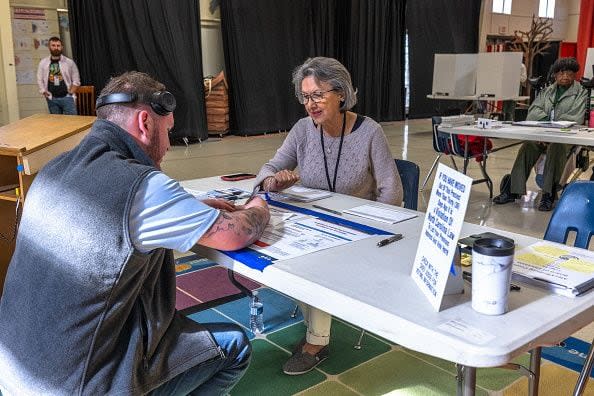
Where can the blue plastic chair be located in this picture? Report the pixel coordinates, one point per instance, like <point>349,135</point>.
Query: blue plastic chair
<point>575,212</point>
<point>409,175</point>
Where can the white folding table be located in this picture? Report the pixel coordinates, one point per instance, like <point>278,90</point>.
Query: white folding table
<point>372,288</point>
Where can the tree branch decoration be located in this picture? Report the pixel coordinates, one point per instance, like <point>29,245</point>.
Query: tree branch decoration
<point>533,42</point>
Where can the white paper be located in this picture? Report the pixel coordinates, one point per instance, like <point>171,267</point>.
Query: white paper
<point>546,124</point>
<point>305,194</point>
<point>302,236</point>
<point>381,214</point>
<point>441,231</point>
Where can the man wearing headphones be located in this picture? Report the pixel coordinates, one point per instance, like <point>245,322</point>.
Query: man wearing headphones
<point>89,299</point>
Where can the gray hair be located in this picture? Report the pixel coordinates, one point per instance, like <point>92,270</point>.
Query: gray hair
<point>330,71</point>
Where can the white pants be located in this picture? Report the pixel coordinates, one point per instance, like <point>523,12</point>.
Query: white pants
<point>318,325</point>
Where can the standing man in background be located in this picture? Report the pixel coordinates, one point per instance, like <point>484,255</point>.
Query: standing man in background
<point>58,79</point>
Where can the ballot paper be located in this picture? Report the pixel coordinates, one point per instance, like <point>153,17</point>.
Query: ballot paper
<point>381,214</point>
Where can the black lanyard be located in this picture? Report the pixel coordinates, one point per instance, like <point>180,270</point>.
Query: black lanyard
<point>332,186</point>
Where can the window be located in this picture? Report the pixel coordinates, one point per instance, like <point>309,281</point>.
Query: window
<point>503,6</point>
<point>546,8</point>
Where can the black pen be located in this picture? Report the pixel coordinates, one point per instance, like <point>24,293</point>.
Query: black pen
<point>336,212</point>
<point>386,241</point>
<point>255,192</point>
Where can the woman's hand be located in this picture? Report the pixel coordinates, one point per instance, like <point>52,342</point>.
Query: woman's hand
<point>280,181</point>
<point>221,204</point>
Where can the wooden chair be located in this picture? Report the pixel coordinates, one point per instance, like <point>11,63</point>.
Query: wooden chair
<point>85,100</point>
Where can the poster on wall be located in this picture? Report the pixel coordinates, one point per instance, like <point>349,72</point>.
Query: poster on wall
<point>31,29</point>
<point>29,13</point>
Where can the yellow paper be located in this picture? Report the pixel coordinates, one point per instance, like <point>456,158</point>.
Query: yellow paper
<point>535,259</point>
<point>578,265</point>
<point>550,250</point>
<point>182,267</point>
<point>466,259</point>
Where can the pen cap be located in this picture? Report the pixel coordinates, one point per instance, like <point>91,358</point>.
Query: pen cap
<point>492,260</point>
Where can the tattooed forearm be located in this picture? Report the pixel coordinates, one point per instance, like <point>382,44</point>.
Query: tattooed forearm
<point>245,226</point>
<point>223,223</point>
<point>254,222</point>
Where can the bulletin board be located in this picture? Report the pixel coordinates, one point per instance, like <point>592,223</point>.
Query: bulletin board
<point>31,29</point>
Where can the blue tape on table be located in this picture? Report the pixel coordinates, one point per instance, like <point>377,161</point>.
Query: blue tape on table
<point>257,260</point>
<point>332,219</point>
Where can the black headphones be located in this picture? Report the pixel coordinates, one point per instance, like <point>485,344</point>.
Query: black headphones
<point>162,102</point>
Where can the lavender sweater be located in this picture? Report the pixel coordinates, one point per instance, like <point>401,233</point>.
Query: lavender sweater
<point>366,169</point>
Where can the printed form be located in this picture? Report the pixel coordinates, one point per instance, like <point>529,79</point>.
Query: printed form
<point>289,235</point>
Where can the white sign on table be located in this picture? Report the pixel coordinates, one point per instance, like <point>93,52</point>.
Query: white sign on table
<point>441,230</point>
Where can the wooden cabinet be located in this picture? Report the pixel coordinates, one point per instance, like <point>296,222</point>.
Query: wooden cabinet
<point>25,146</point>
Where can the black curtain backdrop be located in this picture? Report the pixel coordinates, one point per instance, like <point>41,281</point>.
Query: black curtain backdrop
<point>374,54</point>
<point>264,40</point>
<point>434,27</point>
<point>160,38</point>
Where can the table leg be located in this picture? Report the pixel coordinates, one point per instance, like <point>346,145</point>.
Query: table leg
<point>466,159</point>
<point>535,369</point>
<point>585,373</point>
<point>466,378</point>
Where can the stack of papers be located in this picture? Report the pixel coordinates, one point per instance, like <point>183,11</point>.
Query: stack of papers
<point>455,121</point>
<point>546,124</point>
<point>562,269</point>
<point>381,214</point>
<point>304,194</point>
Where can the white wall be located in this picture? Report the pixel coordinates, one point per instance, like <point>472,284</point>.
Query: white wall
<point>521,17</point>
<point>17,101</point>
<point>573,18</point>
<point>9,109</point>
<point>213,58</point>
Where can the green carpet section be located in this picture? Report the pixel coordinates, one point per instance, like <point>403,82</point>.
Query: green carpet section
<point>342,339</point>
<point>265,375</point>
<point>399,373</point>
<point>495,379</point>
<point>329,388</point>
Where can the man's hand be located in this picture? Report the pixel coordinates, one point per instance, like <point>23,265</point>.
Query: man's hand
<point>46,94</point>
<point>221,204</point>
<point>281,180</point>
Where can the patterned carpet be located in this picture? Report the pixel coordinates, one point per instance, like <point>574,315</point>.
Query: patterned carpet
<point>379,368</point>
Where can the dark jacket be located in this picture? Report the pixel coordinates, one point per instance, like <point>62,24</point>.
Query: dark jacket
<point>84,312</point>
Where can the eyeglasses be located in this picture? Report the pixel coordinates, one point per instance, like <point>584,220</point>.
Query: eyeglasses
<point>566,72</point>
<point>316,97</point>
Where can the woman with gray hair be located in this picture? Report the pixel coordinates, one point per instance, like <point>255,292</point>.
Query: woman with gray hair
<point>334,149</point>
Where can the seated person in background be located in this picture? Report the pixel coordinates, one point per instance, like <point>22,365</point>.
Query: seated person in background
<point>89,299</point>
<point>564,100</point>
<point>337,150</point>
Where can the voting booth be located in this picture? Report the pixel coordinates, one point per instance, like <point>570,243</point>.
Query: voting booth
<point>498,74</point>
<point>454,74</point>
